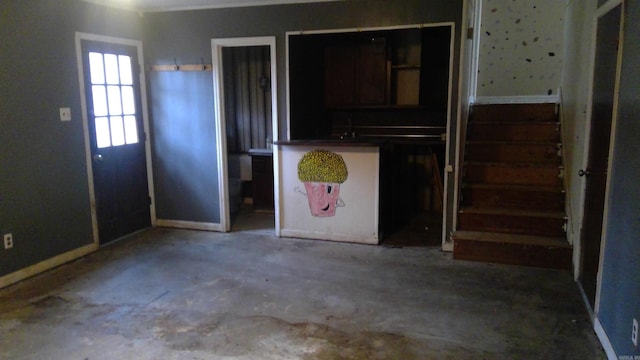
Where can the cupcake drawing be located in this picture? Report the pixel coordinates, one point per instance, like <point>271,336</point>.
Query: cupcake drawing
<point>322,172</point>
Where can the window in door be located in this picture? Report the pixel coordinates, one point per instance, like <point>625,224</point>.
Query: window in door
<point>114,106</point>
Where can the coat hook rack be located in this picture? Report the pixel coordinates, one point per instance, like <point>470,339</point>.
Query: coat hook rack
<point>185,67</point>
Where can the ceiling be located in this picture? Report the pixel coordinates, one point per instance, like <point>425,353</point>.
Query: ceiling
<point>172,5</point>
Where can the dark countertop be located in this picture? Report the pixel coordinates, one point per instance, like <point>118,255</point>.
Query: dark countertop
<point>262,152</point>
<point>354,142</point>
<point>364,141</point>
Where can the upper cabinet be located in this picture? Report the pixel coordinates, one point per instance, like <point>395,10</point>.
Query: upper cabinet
<point>356,74</point>
<point>386,68</point>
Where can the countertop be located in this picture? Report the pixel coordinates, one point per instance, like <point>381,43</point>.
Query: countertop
<point>262,152</point>
<point>353,142</point>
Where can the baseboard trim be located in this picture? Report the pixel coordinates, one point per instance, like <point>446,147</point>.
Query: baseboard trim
<point>604,340</point>
<point>191,225</point>
<point>534,99</point>
<point>301,234</point>
<point>448,245</point>
<point>46,265</point>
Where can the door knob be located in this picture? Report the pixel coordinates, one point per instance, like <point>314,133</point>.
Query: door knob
<point>98,157</point>
<point>584,173</point>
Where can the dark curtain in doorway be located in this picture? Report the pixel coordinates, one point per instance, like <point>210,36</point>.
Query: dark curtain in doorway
<point>247,87</point>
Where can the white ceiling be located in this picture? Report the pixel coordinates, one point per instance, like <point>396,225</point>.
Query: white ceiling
<point>172,5</point>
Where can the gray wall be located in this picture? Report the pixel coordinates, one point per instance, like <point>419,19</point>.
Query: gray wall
<point>186,37</point>
<point>44,195</point>
<point>620,291</point>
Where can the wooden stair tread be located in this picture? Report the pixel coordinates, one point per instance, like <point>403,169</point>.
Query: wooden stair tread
<point>537,188</point>
<point>545,241</point>
<point>511,212</point>
<point>543,112</point>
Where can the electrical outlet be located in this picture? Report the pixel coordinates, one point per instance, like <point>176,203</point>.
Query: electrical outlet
<point>634,332</point>
<point>8,241</point>
<point>65,114</point>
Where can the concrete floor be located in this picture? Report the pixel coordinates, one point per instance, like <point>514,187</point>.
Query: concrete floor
<point>178,294</point>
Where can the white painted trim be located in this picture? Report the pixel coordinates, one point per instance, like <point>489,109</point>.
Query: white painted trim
<point>565,183</point>
<point>612,140</point>
<point>606,7</point>
<point>320,236</point>
<point>79,37</point>
<point>475,51</point>
<point>47,264</point>
<point>372,28</point>
<point>466,91</point>
<point>191,225</point>
<point>577,249</point>
<point>447,159</point>
<point>587,135</point>
<point>525,99</point>
<point>287,87</point>
<point>604,340</point>
<point>220,121</point>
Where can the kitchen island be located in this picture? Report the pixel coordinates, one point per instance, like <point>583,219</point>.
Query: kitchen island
<point>330,190</point>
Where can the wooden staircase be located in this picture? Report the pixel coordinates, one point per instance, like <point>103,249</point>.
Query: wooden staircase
<point>512,196</point>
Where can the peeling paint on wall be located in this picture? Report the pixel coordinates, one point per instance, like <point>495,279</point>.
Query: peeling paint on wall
<point>521,47</point>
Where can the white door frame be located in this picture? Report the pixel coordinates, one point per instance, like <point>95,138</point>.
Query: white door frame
<point>221,130</point>
<point>85,122</point>
<point>602,11</point>
<point>467,88</point>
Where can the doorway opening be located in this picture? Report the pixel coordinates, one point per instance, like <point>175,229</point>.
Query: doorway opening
<point>391,86</point>
<point>244,77</point>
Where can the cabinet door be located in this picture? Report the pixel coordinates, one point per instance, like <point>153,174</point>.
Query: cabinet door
<point>262,178</point>
<point>340,67</point>
<point>372,73</point>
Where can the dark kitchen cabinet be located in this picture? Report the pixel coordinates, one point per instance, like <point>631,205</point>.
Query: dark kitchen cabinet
<point>262,178</point>
<point>356,74</point>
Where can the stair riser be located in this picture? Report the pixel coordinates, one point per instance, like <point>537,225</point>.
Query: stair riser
<point>514,132</point>
<point>510,224</point>
<point>514,113</point>
<point>514,254</point>
<point>487,174</point>
<point>513,199</point>
<point>533,153</point>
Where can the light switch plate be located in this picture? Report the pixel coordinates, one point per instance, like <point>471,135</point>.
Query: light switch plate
<point>65,114</point>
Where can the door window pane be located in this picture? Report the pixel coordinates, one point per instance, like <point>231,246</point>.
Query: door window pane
<point>125,70</point>
<point>130,129</point>
<point>99,100</point>
<point>111,67</point>
<point>117,131</point>
<point>103,138</point>
<point>128,101</point>
<point>115,104</point>
<point>96,68</point>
